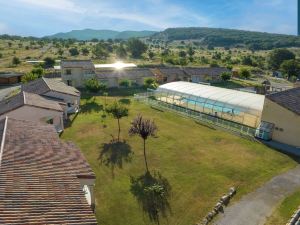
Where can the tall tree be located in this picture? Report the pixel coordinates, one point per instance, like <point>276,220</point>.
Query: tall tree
<point>277,57</point>
<point>136,47</point>
<point>291,68</point>
<point>118,111</point>
<point>144,128</point>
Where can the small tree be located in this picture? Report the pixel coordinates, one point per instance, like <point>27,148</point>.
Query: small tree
<point>277,57</point>
<point>29,77</point>
<point>225,76</point>
<point>150,83</point>
<point>39,71</point>
<point>118,111</point>
<point>244,73</point>
<point>85,51</point>
<point>151,54</point>
<point>73,51</point>
<point>145,128</point>
<point>16,61</point>
<point>49,62</point>
<point>93,85</point>
<point>124,83</point>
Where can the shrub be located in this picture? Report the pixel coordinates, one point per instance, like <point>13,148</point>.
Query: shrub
<point>150,83</point>
<point>225,76</point>
<point>124,83</point>
<point>93,85</point>
<point>16,61</point>
<point>244,73</point>
<point>73,51</point>
<point>29,77</point>
<point>49,62</point>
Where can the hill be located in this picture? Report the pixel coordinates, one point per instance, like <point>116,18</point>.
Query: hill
<point>88,34</point>
<point>218,37</point>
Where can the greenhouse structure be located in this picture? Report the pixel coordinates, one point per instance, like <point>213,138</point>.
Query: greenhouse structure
<point>224,106</point>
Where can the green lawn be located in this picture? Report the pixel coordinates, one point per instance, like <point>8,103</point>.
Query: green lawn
<point>200,163</point>
<point>285,210</point>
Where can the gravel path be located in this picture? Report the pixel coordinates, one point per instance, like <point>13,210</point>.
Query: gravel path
<point>256,207</point>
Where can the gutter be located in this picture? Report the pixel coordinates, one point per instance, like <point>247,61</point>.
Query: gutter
<point>3,140</point>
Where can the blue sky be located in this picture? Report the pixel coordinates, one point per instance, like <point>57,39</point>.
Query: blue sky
<point>44,17</point>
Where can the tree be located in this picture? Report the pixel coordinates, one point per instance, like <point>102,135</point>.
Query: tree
<point>277,57</point>
<point>49,62</point>
<point>244,73</point>
<point>225,76</point>
<point>247,60</point>
<point>151,54</point>
<point>150,83</point>
<point>85,51</point>
<point>182,54</point>
<point>291,68</point>
<point>16,61</point>
<point>145,128</point>
<point>136,47</point>
<point>118,111</point>
<point>29,77</point>
<point>191,51</point>
<point>60,51</point>
<point>73,51</point>
<point>39,71</point>
<point>121,52</point>
<point>124,83</point>
<point>100,52</point>
<point>93,85</point>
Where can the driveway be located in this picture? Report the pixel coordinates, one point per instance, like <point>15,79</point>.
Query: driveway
<point>6,90</point>
<point>256,207</point>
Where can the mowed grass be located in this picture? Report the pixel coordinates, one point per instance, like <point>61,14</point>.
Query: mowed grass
<point>200,163</point>
<point>285,210</point>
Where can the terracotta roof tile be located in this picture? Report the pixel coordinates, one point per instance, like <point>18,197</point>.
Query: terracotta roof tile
<point>38,177</point>
<point>25,98</point>
<point>43,85</point>
<point>87,64</point>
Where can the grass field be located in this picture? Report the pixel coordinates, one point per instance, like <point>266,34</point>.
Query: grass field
<point>200,163</point>
<point>285,210</point>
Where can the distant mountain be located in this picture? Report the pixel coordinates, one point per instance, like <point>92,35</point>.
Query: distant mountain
<point>218,37</point>
<point>88,34</point>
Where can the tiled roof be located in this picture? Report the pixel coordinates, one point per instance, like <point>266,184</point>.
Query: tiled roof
<point>44,85</point>
<point>25,98</point>
<point>212,71</point>
<point>172,71</point>
<point>289,99</point>
<point>127,73</point>
<point>39,177</point>
<point>190,71</point>
<point>86,64</point>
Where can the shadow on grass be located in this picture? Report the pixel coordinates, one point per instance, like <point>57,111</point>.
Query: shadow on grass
<point>114,154</point>
<point>91,106</point>
<point>152,193</point>
<point>125,101</point>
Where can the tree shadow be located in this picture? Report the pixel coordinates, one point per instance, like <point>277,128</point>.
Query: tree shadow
<point>91,106</point>
<point>125,101</point>
<point>114,154</point>
<point>152,193</point>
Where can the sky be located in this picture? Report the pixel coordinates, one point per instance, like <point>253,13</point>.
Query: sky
<point>45,17</point>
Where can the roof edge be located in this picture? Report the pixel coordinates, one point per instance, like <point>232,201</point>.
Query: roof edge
<point>3,140</point>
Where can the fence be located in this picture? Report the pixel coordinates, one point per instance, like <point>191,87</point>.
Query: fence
<point>209,119</point>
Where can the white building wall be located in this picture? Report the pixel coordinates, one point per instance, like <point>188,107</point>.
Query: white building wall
<point>73,102</point>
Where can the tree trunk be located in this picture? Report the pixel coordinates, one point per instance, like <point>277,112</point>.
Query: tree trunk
<point>119,131</point>
<point>145,157</point>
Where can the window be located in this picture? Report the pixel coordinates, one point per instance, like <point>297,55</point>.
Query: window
<point>69,104</point>
<point>68,72</point>
<point>50,121</point>
<point>69,82</point>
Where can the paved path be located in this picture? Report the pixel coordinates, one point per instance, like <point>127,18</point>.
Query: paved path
<point>254,208</point>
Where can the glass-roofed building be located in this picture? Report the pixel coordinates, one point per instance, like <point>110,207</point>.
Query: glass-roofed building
<point>231,105</point>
